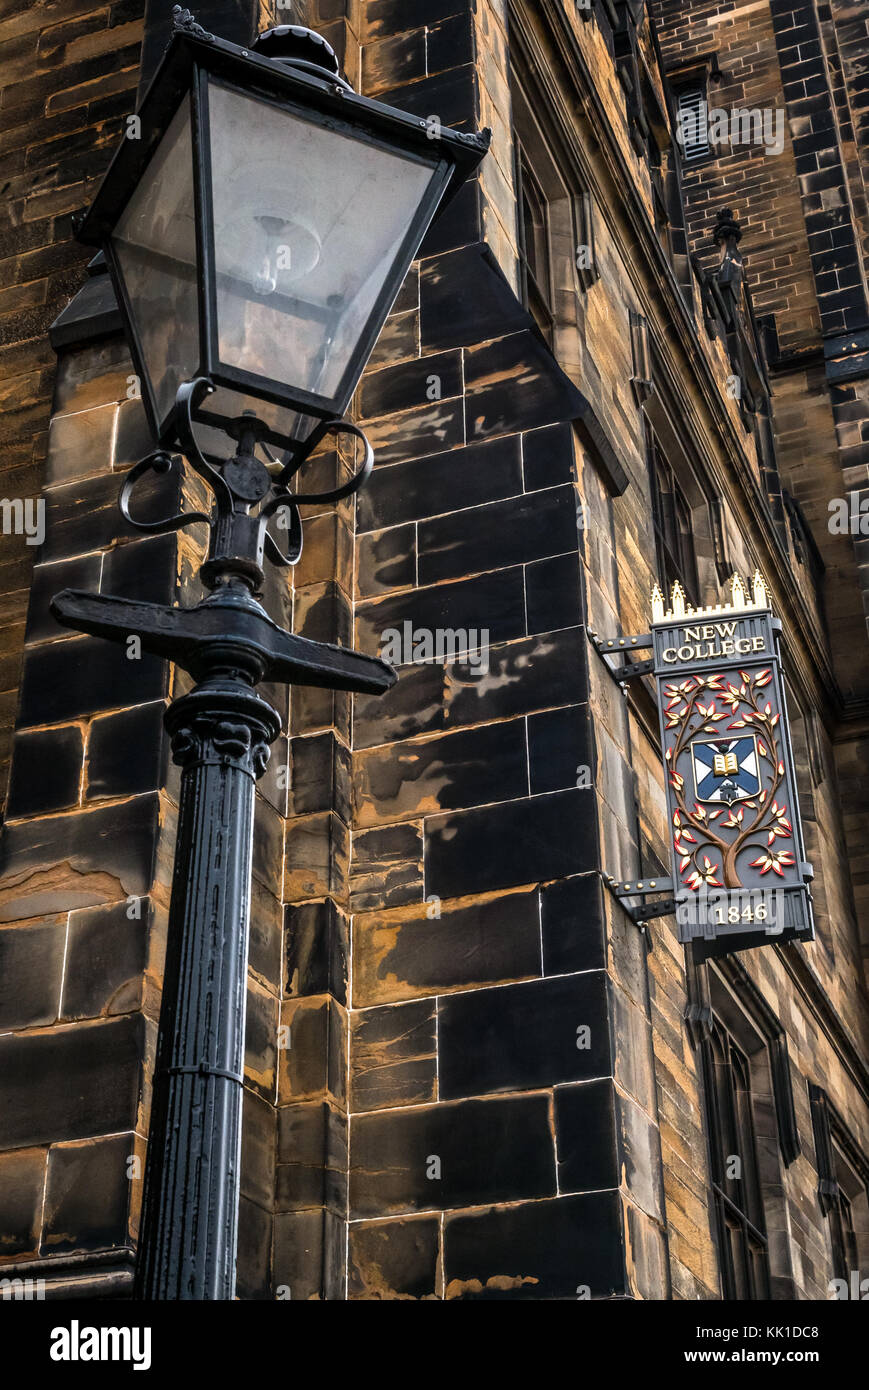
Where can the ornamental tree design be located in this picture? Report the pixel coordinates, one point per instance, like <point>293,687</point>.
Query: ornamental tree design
<point>708,841</point>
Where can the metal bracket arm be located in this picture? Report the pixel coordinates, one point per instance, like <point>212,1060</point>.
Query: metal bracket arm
<point>643,886</point>
<point>658,907</point>
<point>616,646</point>
<point>661,907</point>
<point>232,621</point>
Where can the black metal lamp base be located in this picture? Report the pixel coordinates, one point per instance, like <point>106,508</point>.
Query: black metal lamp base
<point>221,738</point>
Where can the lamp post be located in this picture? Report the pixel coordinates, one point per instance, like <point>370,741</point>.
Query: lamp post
<point>257,229</point>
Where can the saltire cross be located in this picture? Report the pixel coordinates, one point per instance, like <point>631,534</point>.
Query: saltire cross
<point>726,770</point>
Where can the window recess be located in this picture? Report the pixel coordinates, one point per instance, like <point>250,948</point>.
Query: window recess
<point>535,269</point>
<point>555,214</point>
<point>742,1241</point>
<point>689,85</point>
<point>746,1074</point>
<point>673,525</point>
<point>843,1179</point>
<point>692,130</point>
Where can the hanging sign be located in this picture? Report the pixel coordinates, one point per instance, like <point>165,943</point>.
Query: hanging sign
<point>739,871</point>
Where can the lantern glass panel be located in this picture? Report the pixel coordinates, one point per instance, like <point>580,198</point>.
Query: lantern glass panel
<point>155,245</point>
<point>309,220</point>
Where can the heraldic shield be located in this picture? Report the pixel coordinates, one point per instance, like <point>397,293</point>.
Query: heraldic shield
<point>726,770</point>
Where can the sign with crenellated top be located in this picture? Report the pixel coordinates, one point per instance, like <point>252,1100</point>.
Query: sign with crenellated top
<point>738,863</point>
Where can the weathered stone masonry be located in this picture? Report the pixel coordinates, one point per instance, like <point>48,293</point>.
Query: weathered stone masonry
<point>432,932</point>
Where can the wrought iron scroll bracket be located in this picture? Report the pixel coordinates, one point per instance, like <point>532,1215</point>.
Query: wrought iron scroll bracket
<point>285,498</point>
<point>240,484</point>
<point>190,395</point>
<point>161,461</point>
<point>230,630</point>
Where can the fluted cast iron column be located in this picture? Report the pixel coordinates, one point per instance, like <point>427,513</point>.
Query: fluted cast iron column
<point>221,735</point>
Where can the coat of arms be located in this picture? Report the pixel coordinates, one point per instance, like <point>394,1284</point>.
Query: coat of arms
<point>726,770</point>
<point>737,778</point>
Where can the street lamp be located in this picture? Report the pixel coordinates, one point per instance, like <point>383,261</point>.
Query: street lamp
<point>259,226</point>
<point>258,221</point>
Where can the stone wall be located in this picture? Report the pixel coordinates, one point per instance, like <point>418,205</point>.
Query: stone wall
<point>468,1074</point>
<point>69,77</point>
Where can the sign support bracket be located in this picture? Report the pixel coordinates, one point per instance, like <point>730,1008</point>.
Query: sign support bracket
<point>645,911</point>
<point>617,646</point>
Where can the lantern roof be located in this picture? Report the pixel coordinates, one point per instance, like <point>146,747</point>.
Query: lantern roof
<point>302,85</point>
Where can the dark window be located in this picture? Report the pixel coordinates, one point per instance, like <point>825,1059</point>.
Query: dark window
<point>804,546</point>
<point>742,1243</point>
<point>582,208</point>
<point>843,1237</point>
<point>534,259</point>
<point>838,1184</point>
<point>660,210</point>
<point>674,533</point>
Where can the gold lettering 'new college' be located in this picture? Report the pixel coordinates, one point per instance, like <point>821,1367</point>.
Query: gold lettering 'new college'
<point>711,642</point>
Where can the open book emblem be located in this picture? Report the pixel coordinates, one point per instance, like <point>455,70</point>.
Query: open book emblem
<point>726,770</point>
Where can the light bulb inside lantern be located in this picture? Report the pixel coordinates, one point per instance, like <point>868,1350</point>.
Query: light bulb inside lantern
<point>275,254</point>
<point>280,251</point>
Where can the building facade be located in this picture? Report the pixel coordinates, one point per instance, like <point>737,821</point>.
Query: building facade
<point>634,350</point>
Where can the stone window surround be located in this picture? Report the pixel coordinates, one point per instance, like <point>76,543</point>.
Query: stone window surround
<point>725,989</point>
